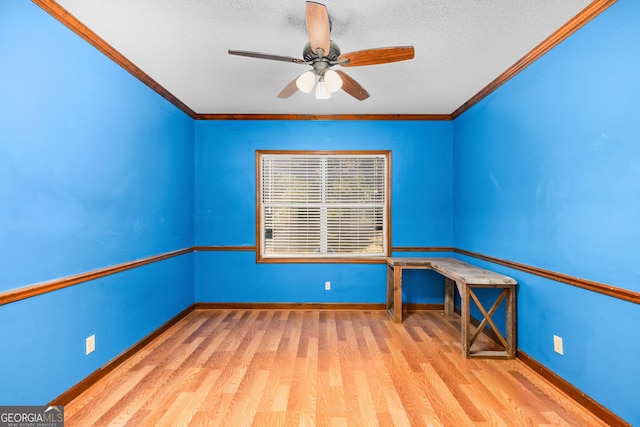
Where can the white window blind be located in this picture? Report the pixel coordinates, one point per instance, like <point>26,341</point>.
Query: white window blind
<point>323,205</point>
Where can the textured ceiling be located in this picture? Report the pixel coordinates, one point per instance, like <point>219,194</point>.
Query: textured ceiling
<point>460,47</point>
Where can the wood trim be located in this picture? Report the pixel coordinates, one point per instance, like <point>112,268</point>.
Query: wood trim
<point>103,371</point>
<point>421,249</point>
<point>422,307</point>
<point>381,260</point>
<point>312,117</point>
<point>388,211</point>
<point>325,152</point>
<point>309,306</point>
<point>324,260</point>
<point>573,392</point>
<point>258,206</point>
<point>42,288</point>
<point>65,282</point>
<point>586,15</point>
<point>225,248</point>
<point>602,288</point>
<point>287,306</point>
<point>71,22</point>
<point>53,285</point>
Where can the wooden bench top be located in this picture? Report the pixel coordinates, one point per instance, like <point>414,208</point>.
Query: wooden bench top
<point>467,279</point>
<point>454,269</point>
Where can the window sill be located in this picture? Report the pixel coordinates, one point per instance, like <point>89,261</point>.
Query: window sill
<point>341,260</point>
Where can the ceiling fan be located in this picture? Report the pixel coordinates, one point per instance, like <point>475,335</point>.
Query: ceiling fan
<point>322,53</point>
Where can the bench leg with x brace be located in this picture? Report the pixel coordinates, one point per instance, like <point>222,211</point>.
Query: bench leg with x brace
<point>467,295</point>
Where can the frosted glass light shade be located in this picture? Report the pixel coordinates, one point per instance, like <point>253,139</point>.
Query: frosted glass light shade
<point>306,81</point>
<point>321,91</point>
<point>332,80</point>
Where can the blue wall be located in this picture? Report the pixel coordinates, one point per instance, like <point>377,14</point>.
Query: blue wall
<point>225,215</point>
<point>96,169</point>
<point>548,174</point>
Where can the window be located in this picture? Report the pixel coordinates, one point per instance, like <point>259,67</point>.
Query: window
<point>319,206</point>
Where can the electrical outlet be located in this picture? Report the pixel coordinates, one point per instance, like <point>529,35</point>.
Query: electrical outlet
<point>557,345</point>
<point>90,344</point>
<point>327,286</point>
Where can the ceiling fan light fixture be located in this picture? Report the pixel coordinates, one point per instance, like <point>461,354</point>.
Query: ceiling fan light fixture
<point>306,81</point>
<point>322,92</point>
<point>332,81</point>
<point>321,53</point>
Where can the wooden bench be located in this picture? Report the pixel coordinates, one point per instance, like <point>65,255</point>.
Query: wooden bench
<point>466,278</point>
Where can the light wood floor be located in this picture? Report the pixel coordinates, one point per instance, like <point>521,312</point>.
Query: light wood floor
<point>338,368</point>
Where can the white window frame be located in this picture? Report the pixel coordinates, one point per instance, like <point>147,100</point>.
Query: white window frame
<point>323,254</point>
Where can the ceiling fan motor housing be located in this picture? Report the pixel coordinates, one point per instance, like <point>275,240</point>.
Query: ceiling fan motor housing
<point>319,31</point>
<point>309,55</point>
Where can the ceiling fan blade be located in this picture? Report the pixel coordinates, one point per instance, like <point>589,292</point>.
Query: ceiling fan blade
<point>352,87</point>
<point>381,55</point>
<point>318,27</point>
<point>266,56</point>
<point>289,89</point>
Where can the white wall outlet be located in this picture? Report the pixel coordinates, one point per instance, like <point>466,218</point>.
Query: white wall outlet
<point>327,286</point>
<point>557,345</point>
<point>90,344</point>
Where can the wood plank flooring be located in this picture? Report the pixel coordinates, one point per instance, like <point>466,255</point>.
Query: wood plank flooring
<point>319,368</point>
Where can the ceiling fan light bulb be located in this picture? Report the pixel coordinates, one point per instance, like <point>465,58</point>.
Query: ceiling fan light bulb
<point>306,81</point>
<point>332,80</point>
<point>321,91</point>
